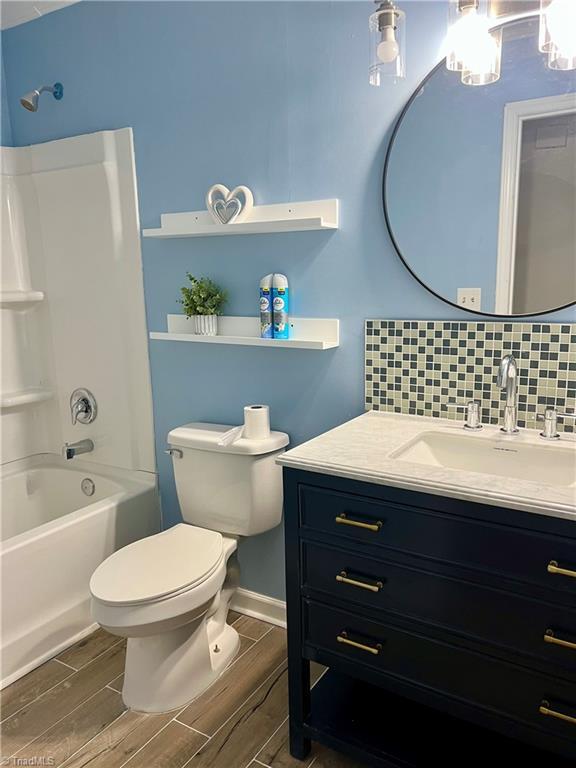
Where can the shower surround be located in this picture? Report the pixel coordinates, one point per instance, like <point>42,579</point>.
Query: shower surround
<point>72,315</point>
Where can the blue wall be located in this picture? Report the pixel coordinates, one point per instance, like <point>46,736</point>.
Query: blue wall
<point>273,95</point>
<point>5,126</point>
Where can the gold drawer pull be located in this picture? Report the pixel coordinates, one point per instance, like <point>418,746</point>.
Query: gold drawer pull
<point>374,527</point>
<point>544,709</point>
<point>553,567</point>
<point>549,637</point>
<point>343,578</point>
<point>373,649</point>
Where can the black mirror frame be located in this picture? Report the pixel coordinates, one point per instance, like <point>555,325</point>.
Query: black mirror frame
<point>404,261</point>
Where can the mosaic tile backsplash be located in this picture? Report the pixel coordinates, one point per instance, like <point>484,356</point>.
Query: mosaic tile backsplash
<point>418,366</point>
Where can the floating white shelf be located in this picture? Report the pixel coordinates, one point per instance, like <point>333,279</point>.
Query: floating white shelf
<point>282,217</point>
<point>25,397</point>
<point>19,299</point>
<point>306,333</point>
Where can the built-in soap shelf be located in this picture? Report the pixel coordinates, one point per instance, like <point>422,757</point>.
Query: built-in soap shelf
<point>25,397</point>
<point>280,217</point>
<point>305,332</point>
<point>20,299</point>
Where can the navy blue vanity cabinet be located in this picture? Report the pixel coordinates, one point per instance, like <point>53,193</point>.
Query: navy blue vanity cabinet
<point>448,627</point>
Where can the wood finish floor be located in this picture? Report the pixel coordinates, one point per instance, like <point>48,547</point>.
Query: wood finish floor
<point>69,713</point>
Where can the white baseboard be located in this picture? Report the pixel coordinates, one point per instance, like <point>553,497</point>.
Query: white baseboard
<point>260,607</point>
<point>9,679</point>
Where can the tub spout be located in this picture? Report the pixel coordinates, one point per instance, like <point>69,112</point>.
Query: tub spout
<point>74,449</point>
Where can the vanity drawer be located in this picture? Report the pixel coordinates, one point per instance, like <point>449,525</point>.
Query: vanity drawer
<point>543,630</point>
<point>530,556</point>
<point>546,703</point>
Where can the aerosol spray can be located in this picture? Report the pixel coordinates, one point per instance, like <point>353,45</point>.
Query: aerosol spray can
<point>266,325</point>
<point>281,306</point>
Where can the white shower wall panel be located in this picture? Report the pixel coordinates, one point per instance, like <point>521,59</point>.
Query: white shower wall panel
<point>80,245</point>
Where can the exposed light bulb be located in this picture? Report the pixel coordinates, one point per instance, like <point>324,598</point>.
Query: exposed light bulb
<point>484,60</point>
<point>387,43</point>
<point>388,50</point>
<point>465,38</point>
<point>559,20</point>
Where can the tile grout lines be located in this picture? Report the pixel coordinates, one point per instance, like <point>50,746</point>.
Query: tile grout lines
<point>84,701</point>
<point>286,719</point>
<point>73,671</point>
<point>179,712</point>
<point>262,684</point>
<point>172,719</point>
<point>120,716</point>
<point>28,704</point>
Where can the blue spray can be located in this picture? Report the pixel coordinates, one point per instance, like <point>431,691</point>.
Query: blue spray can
<point>280,306</point>
<point>266,324</point>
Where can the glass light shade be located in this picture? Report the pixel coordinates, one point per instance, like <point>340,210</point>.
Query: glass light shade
<point>484,60</point>
<point>467,21</point>
<point>558,59</point>
<point>557,35</point>
<point>387,44</point>
<point>544,40</point>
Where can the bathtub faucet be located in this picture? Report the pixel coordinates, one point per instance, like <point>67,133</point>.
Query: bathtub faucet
<point>73,449</point>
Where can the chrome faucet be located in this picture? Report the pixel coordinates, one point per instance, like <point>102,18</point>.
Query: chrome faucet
<point>83,406</point>
<point>508,380</point>
<point>74,449</point>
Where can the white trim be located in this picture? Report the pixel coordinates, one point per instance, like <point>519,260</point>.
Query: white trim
<point>260,607</point>
<point>515,113</point>
<point>47,655</point>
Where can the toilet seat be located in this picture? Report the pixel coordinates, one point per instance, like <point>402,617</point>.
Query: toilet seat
<point>158,567</point>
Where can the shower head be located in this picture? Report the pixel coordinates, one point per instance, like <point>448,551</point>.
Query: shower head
<point>30,100</point>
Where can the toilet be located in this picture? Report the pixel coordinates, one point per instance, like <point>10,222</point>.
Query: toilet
<point>169,594</point>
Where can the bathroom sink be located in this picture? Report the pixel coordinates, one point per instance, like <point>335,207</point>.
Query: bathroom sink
<point>548,464</point>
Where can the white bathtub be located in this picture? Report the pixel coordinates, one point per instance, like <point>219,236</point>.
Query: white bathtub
<point>52,538</point>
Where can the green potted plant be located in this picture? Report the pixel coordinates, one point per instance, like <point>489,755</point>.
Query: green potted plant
<point>203,300</point>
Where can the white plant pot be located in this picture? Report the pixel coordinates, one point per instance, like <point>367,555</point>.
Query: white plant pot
<point>206,325</point>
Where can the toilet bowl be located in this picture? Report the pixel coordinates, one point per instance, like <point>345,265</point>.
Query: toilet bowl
<point>169,594</point>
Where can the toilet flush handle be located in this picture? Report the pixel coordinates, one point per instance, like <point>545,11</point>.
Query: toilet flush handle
<point>174,452</point>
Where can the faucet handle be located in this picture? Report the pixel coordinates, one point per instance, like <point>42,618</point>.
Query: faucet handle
<point>550,418</point>
<point>83,406</point>
<point>472,408</point>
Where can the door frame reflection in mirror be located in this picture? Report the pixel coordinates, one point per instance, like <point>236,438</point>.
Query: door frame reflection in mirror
<point>515,115</point>
<point>499,22</point>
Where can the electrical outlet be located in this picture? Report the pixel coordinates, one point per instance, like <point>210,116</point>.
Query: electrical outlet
<point>470,298</point>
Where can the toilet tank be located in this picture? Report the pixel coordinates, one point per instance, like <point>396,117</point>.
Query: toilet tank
<point>235,488</point>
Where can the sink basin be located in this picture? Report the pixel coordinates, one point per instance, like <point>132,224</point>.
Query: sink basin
<point>548,464</point>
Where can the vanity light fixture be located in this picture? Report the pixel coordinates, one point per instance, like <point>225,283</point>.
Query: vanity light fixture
<point>387,43</point>
<point>557,35</point>
<point>483,62</point>
<point>471,47</point>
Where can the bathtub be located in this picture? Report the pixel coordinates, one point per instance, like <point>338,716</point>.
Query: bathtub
<point>59,520</point>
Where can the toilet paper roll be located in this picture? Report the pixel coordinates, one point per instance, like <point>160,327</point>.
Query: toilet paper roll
<point>256,422</point>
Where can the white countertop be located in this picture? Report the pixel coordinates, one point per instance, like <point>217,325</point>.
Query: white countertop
<point>360,450</point>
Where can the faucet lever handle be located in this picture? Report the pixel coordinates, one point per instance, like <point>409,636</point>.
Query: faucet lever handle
<point>550,418</point>
<point>472,408</point>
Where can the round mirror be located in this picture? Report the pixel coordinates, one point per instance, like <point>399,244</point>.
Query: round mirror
<point>480,183</point>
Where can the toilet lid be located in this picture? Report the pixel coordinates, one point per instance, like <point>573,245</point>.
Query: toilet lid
<point>158,566</point>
